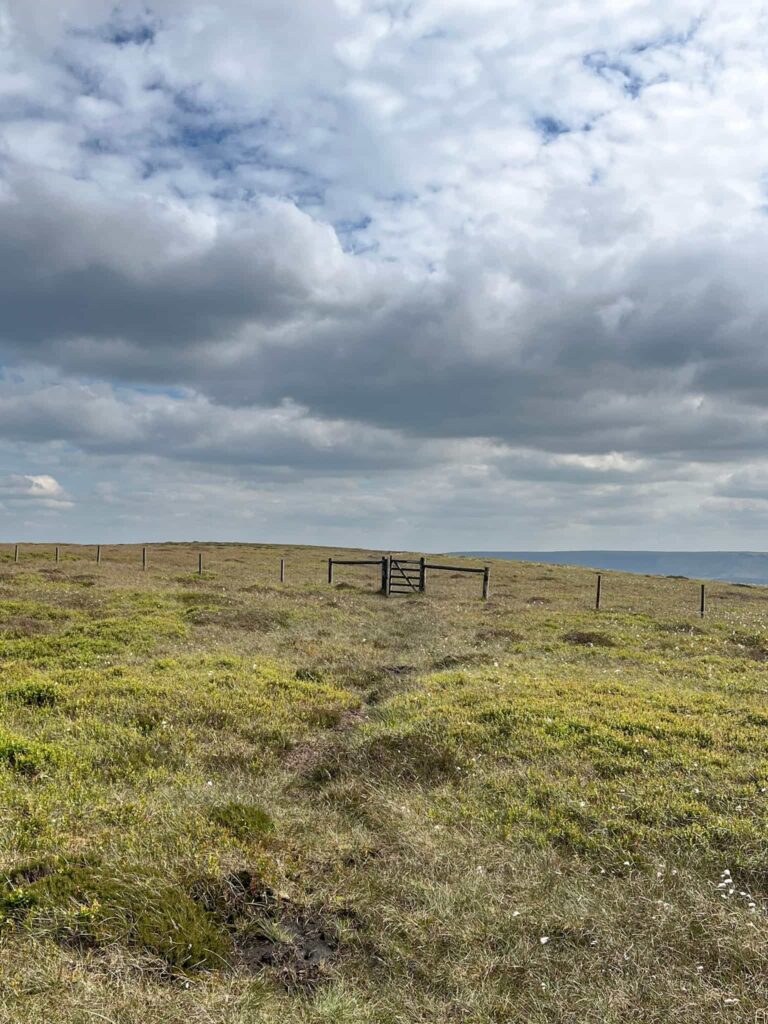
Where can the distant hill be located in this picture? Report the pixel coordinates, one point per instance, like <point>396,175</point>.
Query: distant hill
<point>733,566</point>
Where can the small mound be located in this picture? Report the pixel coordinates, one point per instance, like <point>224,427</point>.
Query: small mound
<point>91,906</point>
<point>752,646</point>
<point>25,757</point>
<point>33,695</point>
<point>83,580</point>
<point>243,821</point>
<point>18,626</point>
<point>588,638</point>
<point>309,675</point>
<point>449,661</point>
<point>511,636</point>
<point>680,628</point>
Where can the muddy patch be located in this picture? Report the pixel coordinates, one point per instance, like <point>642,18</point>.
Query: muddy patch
<point>297,948</point>
<point>270,932</point>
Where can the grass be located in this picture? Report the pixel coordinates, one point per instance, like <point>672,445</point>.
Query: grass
<point>227,800</point>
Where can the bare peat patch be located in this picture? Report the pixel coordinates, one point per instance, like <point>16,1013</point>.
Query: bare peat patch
<point>272,933</point>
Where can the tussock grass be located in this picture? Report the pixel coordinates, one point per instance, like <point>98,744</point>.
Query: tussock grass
<point>226,800</point>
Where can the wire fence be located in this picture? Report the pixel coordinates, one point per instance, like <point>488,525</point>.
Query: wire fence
<point>517,586</point>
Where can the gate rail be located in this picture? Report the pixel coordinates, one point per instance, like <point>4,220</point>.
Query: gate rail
<point>361,561</point>
<point>485,572</point>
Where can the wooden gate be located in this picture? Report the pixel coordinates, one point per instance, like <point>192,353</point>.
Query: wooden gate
<point>406,576</point>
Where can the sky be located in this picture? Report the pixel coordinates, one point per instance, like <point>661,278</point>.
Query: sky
<point>426,274</point>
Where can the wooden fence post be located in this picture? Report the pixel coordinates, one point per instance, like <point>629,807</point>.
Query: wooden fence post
<point>200,563</point>
<point>144,558</point>
<point>598,592</point>
<point>282,570</point>
<point>330,571</point>
<point>486,582</point>
<point>422,574</point>
<point>384,574</point>
<point>16,553</point>
<point>702,606</point>
<point>98,554</point>
<point>388,571</point>
<point>56,556</point>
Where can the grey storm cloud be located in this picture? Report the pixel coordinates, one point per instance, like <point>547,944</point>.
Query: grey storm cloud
<point>269,310</point>
<point>341,239</point>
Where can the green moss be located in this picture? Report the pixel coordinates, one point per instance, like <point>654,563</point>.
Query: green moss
<point>243,821</point>
<point>87,905</point>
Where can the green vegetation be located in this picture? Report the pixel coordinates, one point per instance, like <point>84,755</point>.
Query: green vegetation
<point>223,800</point>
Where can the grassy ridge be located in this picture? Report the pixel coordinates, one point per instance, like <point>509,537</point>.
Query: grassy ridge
<point>226,800</point>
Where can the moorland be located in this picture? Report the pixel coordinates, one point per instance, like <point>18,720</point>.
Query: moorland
<point>224,799</point>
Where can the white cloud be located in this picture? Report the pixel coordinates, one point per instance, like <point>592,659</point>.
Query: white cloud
<point>21,494</point>
<point>517,243</point>
<point>44,487</point>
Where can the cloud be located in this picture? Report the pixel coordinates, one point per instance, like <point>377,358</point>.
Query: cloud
<point>39,492</point>
<point>319,241</point>
<point>44,487</point>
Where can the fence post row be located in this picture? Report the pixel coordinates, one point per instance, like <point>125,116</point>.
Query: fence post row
<point>386,572</point>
